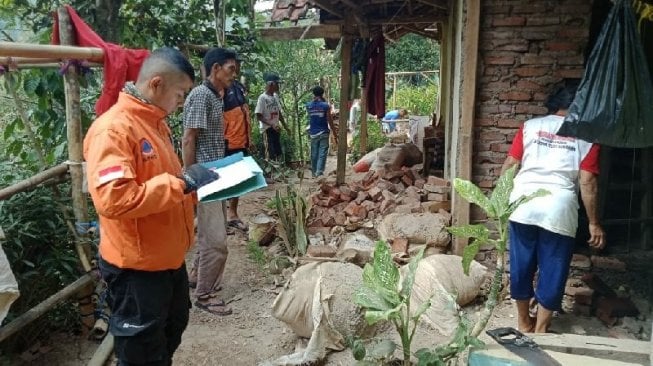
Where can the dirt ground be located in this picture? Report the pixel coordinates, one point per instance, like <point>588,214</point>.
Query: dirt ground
<point>251,335</point>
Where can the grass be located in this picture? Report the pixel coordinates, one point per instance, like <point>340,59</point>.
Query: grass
<point>257,255</point>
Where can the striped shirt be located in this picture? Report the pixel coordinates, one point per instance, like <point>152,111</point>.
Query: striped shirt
<point>203,110</point>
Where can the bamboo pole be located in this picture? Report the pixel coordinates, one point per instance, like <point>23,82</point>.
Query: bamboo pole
<point>40,309</point>
<point>32,182</point>
<point>394,92</point>
<point>17,49</point>
<point>345,77</point>
<point>102,352</point>
<point>75,158</point>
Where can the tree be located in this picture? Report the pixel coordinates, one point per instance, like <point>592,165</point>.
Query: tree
<point>412,53</point>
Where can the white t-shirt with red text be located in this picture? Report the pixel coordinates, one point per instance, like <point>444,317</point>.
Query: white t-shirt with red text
<point>270,107</point>
<point>553,163</point>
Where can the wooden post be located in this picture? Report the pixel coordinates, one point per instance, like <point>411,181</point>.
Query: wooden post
<point>345,79</point>
<point>363,126</point>
<point>461,208</point>
<point>75,158</point>
<point>394,92</point>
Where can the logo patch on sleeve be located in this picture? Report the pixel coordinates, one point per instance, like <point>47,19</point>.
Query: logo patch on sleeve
<point>147,151</point>
<point>110,173</point>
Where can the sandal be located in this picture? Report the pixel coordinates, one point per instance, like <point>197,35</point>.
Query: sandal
<point>238,224</point>
<point>214,307</point>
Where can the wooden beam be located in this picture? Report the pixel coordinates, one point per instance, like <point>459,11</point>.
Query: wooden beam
<point>15,49</point>
<point>328,6</point>
<point>293,33</point>
<point>461,208</point>
<point>345,79</point>
<point>436,4</point>
<point>397,20</point>
<point>422,32</point>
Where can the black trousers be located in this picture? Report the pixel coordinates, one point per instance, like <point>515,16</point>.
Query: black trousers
<point>273,138</point>
<point>149,313</point>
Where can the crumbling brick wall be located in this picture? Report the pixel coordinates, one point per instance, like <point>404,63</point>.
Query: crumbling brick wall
<point>525,47</point>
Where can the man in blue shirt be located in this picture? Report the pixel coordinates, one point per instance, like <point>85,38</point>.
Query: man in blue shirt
<point>320,125</point>
<point>393,116</point>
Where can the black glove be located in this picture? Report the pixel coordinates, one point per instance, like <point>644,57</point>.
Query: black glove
<point>196,176</point>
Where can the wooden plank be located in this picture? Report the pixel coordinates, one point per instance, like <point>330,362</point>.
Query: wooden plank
<point>461,208</point>
<point>16,49</point>
<point>345,79</point>
<point>293,33</point>
<point>629,350</point>
<point>495,354</point>
<point>328,6</point>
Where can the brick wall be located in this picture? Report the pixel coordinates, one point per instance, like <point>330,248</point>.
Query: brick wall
<point>525,48</point>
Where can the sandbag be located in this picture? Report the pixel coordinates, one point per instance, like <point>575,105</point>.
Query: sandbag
<point>363,164</point>
<point>613,102</point>
<point>390,157</point>
<point>8,285</point>
<point>442,277</point>
<point>317,303</point>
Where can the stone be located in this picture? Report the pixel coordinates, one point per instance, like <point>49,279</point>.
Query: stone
<point>437,197</point>
<point>375,194</point>
<point>340,218</point>
<point>324,251</point>
<point>361,196</point>
<point>435,207</point>
<point>357,248</point>
<point>420,228</point>
<point>580,261</point>
<point>408,181</point>
<point>432,188</point>
<point>388,196</point>
<point>419,183</point>
<point>387,206</point>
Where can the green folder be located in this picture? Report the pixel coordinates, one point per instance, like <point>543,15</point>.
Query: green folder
<point>257,181</point>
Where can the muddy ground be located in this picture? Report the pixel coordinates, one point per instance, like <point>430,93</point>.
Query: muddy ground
<point>251,335</point>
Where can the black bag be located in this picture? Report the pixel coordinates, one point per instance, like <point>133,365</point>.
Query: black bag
<point>614,102</point>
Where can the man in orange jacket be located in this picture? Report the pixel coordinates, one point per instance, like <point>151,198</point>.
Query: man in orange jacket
<point>143,200</point>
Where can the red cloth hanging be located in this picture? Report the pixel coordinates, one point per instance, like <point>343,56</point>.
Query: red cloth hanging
<point>375,77</point>
<point>120,64</point>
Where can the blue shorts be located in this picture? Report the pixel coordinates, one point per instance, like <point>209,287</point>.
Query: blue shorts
<point>533,248</point>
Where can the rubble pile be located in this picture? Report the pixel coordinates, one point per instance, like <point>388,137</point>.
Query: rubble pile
<point>379,193</point>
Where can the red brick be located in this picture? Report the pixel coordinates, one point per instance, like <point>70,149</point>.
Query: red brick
<point>531,71</point>
<point>492,136</point>
<point>495,9</point>
<point>501,147</point>
<point>375,194</point>
<point>584,296</point>
<point>576,8</point>
<point>509,123</point>
<point>400,245</point>
<point>324,251</point>
<point>437,197</point>
<point>362,196</point>
<point>517,45</point>
<point>515,95</point>
<point>608,263</point>
<point>486,122</point>
<point>540,97</point>
<point>557,46</point>
<point>407,180</point>
<point>419,183</point>
<point>573,33</point>
<point>486,109</point>
<point>543,20</point>
<point>437,181</point>
<point>534,59</point>
<point>499,60</point>
<point>509,22</point>
<point>528,85</point>
<point>538,35</point>
<point>436,206</point>
<point>530,109</point>
<point>529,9</point>
<point>571,60</point>
<point>497,85</point>
<point>505,108</point>
<point>499,34</point>
<point>486,184</point>
<point>570,73</point>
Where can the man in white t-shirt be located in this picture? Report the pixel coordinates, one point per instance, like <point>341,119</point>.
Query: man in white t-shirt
<point>543,230</point>
<point>268,113</point>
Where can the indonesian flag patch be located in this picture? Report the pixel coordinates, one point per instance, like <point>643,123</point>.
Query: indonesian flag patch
<point>111,173</point>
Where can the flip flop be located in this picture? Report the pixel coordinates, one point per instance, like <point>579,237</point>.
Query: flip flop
<point>238,224</point>
<point>216,308</point>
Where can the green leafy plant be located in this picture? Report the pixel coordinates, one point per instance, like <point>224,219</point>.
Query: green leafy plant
<point>498,209</point>
<point>384,298</point>
<point>418,100</point>
<point>375,139</point>
<point>292,210</point>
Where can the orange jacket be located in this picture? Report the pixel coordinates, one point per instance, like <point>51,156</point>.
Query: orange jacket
<point>146,221</point>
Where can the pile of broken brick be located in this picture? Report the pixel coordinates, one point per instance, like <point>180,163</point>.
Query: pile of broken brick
<point>377,194</point>
<point>591,296</point>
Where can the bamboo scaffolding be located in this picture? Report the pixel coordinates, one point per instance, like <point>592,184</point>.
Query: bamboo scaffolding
<point>32,182</point>
<point>26,50</point>
<point>102,352</point>
<point>40,309</point>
